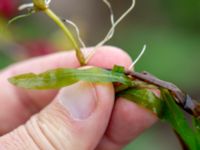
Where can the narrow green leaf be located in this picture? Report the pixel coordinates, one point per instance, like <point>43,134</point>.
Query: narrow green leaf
<point>63,77</point>
<point>175,116</point>
<point>168,111</point>
<point>196,126</point>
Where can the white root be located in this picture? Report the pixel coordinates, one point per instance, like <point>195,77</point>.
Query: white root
<point>108,37</point>
<point>25,6</point>
<point>138,58</point>
<point>110,33</point>
<point>47,2</point>
<point>112,20</point>
<point>77,32</point>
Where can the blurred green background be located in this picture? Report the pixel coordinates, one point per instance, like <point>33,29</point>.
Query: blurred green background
<point>169,28</point>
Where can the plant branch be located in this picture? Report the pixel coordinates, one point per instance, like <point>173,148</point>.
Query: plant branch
<point>59,22</point>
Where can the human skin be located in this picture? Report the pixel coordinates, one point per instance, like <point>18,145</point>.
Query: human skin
<point>82,116</point>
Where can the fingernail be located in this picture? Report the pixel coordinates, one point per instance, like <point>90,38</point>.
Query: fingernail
<point>79,99</point>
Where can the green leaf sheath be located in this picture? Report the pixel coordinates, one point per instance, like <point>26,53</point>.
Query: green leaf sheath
<point>63,77</point>
<point>167,110</point>
<point>175,116</point>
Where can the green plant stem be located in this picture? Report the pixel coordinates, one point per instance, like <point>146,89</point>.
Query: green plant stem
<point>57,20</point>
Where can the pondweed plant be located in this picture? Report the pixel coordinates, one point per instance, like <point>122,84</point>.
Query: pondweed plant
<point>136,87</point>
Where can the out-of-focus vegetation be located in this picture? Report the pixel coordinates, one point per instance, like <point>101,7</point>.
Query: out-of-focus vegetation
<point>169,28</point>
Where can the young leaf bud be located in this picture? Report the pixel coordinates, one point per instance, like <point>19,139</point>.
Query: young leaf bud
<point>41,4</point>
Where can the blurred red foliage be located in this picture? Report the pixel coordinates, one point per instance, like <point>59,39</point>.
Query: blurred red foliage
<point>8,8</point>
<point>38,48</point>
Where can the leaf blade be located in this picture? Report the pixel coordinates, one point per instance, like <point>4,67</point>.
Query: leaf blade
<point>63,77</point>
<point>175,116</point>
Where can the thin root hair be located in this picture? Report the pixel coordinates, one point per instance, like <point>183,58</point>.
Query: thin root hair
<point>77,31</point>
<point>138,58</point>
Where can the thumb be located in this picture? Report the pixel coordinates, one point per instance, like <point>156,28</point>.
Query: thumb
<point>76,119</point>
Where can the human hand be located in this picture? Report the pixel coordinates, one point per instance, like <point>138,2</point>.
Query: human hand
<point>83,116</point>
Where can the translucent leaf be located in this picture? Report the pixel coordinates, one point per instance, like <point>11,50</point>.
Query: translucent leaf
<point>63,77</point>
